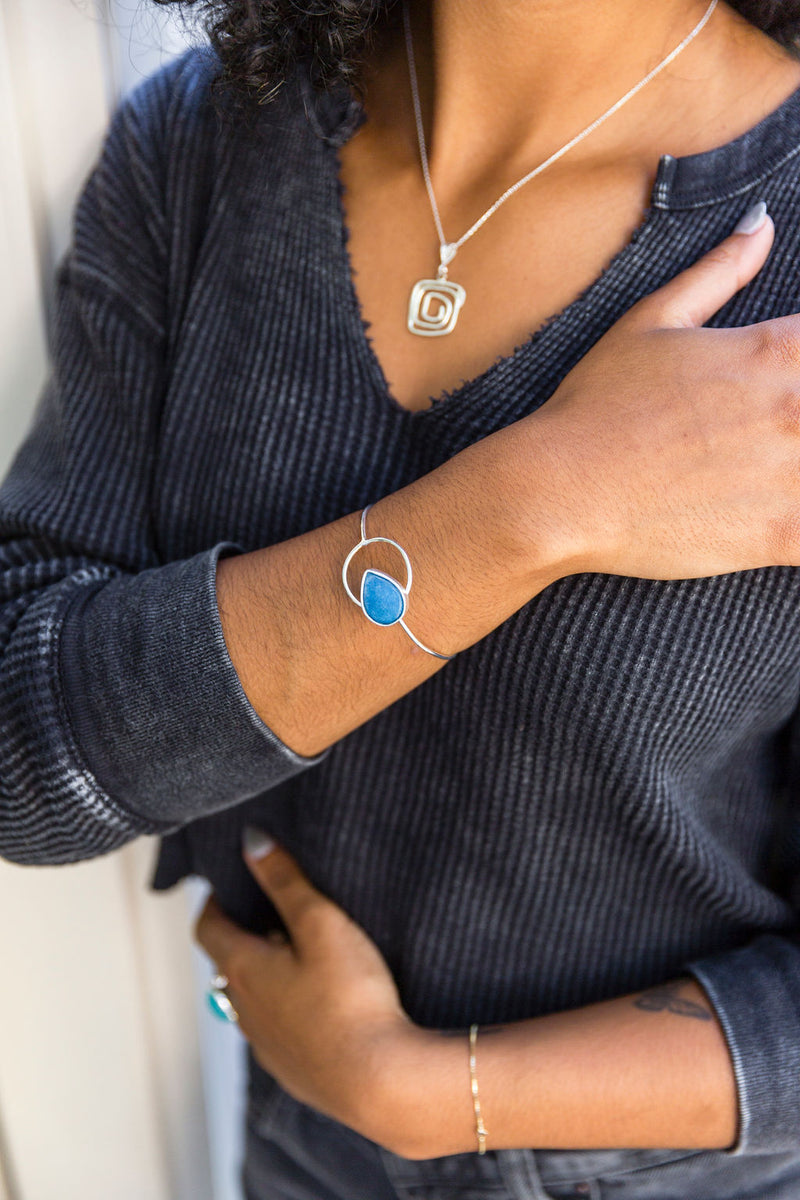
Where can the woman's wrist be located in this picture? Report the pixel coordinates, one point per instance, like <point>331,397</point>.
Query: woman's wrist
<point>485,532</point>
<point>418,1104</point>
<point>496,528</point>
<point>643,1070</point>
<point>540,500</point>
<point>498,523</point>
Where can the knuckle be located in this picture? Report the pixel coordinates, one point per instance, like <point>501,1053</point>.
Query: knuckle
<point>783,538</point>
<point>669,308</point>
<point>778,344</point>
<point>661,308</point>
<point>281,873</point>
<point>677,315</point>
<point>725,257</point>
<point>237,968</point>
<point>787,410</point>
<point>312,917</point>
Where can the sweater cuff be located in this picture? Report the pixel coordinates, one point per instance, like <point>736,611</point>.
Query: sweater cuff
<point>755,991</point>
<point>155,702</point>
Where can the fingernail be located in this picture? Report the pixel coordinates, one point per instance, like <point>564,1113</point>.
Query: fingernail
<point>255,843</point>
<point>753,219</point>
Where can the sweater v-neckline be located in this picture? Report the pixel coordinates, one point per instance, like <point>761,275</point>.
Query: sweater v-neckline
<point>689,182</point>
<point>449,398</point>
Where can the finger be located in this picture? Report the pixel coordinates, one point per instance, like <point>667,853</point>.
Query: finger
<point>221,938</point>
<point>692,297</point>
<point>298,902</point>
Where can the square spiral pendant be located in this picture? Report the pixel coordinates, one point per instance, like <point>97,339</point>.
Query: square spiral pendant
<point>434,307</point>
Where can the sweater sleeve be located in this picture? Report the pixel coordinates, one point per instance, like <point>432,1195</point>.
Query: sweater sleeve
<point>120,710</point>
<point>755,991</point>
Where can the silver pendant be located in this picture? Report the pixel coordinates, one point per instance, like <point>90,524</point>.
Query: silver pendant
<point>434,304</point>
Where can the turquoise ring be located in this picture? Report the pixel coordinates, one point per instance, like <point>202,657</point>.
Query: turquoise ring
<point>218,1000</point>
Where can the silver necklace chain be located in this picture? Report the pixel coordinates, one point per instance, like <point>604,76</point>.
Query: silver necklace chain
<point>447,250</point>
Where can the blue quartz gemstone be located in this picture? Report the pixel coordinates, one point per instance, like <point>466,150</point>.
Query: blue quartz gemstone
<point>382,598</point>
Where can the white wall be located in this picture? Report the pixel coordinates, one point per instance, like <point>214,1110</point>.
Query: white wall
<point>103,1038</point>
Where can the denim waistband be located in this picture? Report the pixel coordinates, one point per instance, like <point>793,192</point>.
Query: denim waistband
<point>288,1137</point>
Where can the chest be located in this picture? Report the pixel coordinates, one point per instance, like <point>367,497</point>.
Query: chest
<point>539,251</point>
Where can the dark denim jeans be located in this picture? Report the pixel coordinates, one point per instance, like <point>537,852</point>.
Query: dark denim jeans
<point>295,1153</point>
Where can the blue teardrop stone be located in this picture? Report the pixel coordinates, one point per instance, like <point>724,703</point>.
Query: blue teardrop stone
<point>382,598</point>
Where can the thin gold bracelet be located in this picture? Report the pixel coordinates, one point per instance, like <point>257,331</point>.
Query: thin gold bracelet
<point>480,1129</point>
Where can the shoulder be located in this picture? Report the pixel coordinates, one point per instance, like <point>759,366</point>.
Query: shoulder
<point>177,135</point>
<point>185,106</point>
<point>169,116</point>
<point>151,179</point>
<point>176,158</point>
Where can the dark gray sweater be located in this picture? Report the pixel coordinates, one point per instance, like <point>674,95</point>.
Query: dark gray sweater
<point>598,796</point>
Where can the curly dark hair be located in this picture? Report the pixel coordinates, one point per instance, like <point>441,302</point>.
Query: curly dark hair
<point>259,42</point>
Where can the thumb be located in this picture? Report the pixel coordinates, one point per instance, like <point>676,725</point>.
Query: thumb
<point>301,907</point>
<point>697,293</point>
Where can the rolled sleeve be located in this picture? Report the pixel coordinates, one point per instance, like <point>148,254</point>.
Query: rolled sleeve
<point>755,991</point>
<point>154,701</point>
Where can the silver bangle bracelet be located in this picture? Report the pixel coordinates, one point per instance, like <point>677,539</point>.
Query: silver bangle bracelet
<point>383,599</point>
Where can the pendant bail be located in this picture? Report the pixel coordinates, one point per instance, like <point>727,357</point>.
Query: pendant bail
<point>447,252</point>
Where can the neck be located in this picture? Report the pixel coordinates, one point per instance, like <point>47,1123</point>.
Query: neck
<point>513,61</point>
<point>504,83</point>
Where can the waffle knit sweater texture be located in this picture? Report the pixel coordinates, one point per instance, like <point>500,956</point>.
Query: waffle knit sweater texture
<point>599,796</point>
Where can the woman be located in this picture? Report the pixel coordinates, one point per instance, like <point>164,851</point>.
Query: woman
<point>579,829</point>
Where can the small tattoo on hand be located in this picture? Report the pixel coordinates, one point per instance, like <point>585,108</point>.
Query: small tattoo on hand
<point>665,998</point>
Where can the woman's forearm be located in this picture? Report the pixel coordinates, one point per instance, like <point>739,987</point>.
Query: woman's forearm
<point>645,1070</point>
<point>311,663</point>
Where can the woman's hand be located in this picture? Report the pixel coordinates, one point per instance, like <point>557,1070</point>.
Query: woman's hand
<point>676,449</point>
<point>319,1009</point>
<point>322,1015</point>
